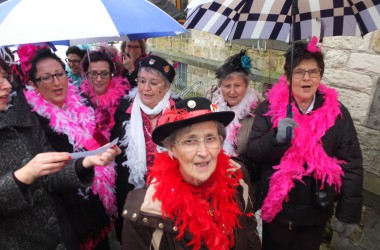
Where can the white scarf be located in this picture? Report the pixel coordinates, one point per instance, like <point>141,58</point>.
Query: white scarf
<point>246,107</point>
<point>134,139</point>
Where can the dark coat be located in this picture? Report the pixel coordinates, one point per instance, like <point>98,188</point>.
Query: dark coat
<point>31,218</point>
<point>340,141</point>
<point>85,209</point>
<point>141,227</point>
<point>122,184</point>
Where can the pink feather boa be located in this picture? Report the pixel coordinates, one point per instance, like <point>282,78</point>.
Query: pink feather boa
<point>117,88</point>
<point>306,147</point>
<point>77,121</point>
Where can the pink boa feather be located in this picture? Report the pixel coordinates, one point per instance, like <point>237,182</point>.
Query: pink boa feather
<point>306,147</point>
<point>77,121</point>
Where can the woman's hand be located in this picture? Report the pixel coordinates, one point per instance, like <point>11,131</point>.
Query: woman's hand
<point>102,159</point>
<point>128,63</point>
<point>42,164</point>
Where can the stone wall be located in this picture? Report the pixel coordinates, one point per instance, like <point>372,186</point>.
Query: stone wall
<point>352,67</point>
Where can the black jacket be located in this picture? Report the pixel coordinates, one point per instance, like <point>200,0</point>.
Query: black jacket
<point>32,216</point>
<point>340,141</point>
<point>85,209</point>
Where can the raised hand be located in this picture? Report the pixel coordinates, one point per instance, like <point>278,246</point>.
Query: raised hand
<point>42,164</point>
<point>128,63</point>
<point>102,159</point>
<point>281,129</point>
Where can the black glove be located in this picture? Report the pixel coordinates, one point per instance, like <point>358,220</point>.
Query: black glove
<point>281,129</point>
<point>345,229</point>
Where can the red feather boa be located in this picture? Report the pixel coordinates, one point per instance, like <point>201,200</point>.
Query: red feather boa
<point>191,206</point>
<point>306,147</point>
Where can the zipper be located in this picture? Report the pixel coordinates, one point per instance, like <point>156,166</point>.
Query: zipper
<point>290,225</point>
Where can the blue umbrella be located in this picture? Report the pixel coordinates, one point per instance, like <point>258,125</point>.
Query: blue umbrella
<point>83,21</point>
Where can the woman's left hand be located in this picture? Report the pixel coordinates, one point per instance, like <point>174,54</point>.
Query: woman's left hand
<point>102,159</point>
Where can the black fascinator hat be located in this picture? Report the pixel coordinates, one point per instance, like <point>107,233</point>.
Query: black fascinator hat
<point>237,63</point>
<point>187,112</point>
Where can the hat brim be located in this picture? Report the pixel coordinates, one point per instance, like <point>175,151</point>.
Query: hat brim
<point>163,131</point>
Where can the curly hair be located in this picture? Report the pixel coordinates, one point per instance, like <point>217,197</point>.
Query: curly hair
<point>300,54</point>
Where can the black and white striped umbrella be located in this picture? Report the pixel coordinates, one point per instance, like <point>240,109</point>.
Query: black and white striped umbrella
<point>272,19</point>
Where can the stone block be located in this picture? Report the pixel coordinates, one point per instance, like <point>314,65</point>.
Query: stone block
<point>348,80</point>
<point>365,62</point>
<point>356,102</point>
<point>350,43</point>
<point>369,142</point>
<point>370,236</point>
<point>376,41</point>
<point>374,115</point>
<point>336,58</point>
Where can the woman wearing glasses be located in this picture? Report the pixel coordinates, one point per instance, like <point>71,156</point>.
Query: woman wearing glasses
<point>300,181</point>
<point>136,118</point>
<point>32,177</point>
<point>104,90</point>
<point>73,60</point>
<point>197,196</point>
<point>132,53</point>
<point>72,125</point>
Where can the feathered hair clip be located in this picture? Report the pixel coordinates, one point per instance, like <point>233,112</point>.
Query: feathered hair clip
<point>312,45</point>
<point>237,63</point>
<point>111,52</point>
<point>25,53</point>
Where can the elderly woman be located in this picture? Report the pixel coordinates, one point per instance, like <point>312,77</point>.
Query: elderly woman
<point>71,126</point>
<point>323,163</point>
<point>32,178</point>
<point>234,94</point>
<point>136,118</point>
<point>197,196</point>
<point>73,60</point>
<point>132,53</point>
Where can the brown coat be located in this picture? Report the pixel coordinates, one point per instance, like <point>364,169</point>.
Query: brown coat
<point>145,229</point>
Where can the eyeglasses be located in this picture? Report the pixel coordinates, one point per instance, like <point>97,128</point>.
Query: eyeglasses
<point>49,78</point>
<point>75,62</point>
<point>133,47</point>
<point>94,74</point>
<point>192,144</point>
<point>5,76</point>
<point>300,73</point>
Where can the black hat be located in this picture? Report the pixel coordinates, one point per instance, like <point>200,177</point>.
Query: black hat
<point>159,64</point>
<point>240,62</point>
<point>187,112</point>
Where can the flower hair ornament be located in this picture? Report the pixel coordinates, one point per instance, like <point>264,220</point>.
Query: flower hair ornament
<point>240,62</point>
<point>312,45</point>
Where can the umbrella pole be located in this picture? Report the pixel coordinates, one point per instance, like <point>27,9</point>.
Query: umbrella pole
<point>294,12</point>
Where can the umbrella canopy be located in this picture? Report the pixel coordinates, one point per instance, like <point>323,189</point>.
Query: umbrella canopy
<point>32,21</point>
<point>272,19</point>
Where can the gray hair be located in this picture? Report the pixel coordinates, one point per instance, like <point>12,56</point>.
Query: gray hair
<point>152,70</point>
<point>169,141</point>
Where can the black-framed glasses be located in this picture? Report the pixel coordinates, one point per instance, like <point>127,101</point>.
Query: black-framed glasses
<point>300,73</point>
<point>49,78</point>
<point>192,144</point>
<point>5,76</point>
<point>76,62</point>
<point>94,74</point>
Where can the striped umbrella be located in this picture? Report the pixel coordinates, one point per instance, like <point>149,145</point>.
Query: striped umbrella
<point>272,19</point>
